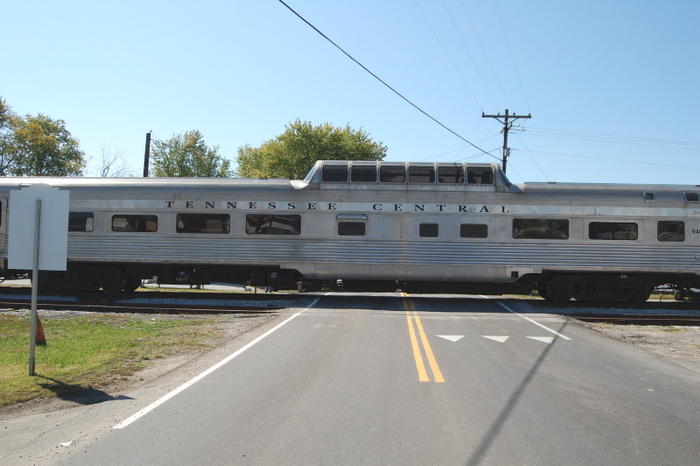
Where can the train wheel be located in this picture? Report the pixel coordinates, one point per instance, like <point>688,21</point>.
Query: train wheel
<point>131,284</point>
<point>113,282</point>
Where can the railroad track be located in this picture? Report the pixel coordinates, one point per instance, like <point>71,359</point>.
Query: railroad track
<point>164,302</point>
<point>152,302</point>
<point>143,308</point>
<point>641,319</point>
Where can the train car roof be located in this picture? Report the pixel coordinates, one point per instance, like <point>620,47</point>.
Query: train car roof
<point>314,180</point>
<point>140,183</point>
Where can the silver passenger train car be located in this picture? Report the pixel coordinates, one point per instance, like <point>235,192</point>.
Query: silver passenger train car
<point>377,226</point>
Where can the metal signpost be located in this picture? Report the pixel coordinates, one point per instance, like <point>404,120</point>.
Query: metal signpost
<point>39,241</point>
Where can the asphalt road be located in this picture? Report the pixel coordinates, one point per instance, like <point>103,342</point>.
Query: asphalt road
<point>366,380</point>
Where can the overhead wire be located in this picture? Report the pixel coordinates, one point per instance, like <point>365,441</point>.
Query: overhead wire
<point>495,74</point>
<point>435,120</point>
<point>433,157</point>
<point>537,164</point>
<point>474,156</point>
<point>468,53</point>
<point>510,51</point>
<point>559,130</point>
<point>520,83</point>
<point>449,57</point>
<point>608,159</point>
<point>609,138</point>
<point>483,49</point>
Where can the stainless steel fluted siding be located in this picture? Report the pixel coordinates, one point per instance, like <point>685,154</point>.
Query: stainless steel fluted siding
<point>194,249</point>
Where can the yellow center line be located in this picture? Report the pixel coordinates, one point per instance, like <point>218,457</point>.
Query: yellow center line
<point>411,317</point>
<point>434,367</point>
<point>420,366</point>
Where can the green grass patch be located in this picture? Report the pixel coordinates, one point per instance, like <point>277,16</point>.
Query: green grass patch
<point>88,352</point>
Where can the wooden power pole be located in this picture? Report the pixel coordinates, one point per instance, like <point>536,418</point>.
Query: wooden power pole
<point>507,122</point>
<point>147,154</point>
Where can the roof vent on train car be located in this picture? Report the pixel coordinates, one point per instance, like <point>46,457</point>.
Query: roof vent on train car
<point>691,197</point>
<point>648,196</point>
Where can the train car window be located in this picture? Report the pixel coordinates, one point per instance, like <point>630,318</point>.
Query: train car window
<point>363,174</point>
<point>428,230</point>
<point>203,223</point>
<point>479,175</point>
<point>540,228</point>
<point>259,224</point>
<point>691,197</point>
<point>421,175</point>
<point>135,223</point>
<point>81,221</point>
<point>337,173</point>
<point>351,228</point>
<point>473,230</point>
<point>392,174</point>
<point>451,175</point>
<point>670,231</point>
<point>613,231</point>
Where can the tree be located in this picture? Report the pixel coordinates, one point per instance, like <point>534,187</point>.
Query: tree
<point>6,117</point>
<point>293,153</point>
<point>112,164</point>
<point>37,146</point>
<point>188,155</point>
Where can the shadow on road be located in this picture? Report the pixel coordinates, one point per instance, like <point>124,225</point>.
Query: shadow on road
<point>495,429</point>
<point>78,393</point>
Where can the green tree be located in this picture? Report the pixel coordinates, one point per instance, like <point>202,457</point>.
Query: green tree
<point>293,153</point>
<point>188,155</point>
<point>6,117</point>
<point>40,146</point>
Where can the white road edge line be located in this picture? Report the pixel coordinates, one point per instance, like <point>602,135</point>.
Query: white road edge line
<point>192,381</point>
<point>534,322</point>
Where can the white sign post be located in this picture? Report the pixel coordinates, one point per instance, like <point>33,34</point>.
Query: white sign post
<point>38,241</point>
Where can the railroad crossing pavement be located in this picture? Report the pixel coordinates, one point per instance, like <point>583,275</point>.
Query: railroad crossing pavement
<point>418,380</point>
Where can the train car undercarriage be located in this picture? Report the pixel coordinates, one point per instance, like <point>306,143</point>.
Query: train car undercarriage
<point>554,286</point>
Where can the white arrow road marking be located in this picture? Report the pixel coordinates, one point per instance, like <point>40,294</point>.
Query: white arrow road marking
<point>547,340</point>
<point>452,338</point>
<point>498,338</point>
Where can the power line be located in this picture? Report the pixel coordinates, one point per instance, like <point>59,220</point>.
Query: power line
<point>433,157</point>
<point>449,57</point>
<point>483,49</point>
<point>612,141</point>
<point>537,164</point>
<point>603,137</point>
<point>466,50</point>
<point>510,51</point>
<point>384,82</point>
<point>606,159</point>
<point>470,157</point>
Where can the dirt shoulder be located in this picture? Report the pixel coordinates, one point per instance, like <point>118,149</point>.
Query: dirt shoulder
<point>680,344</point>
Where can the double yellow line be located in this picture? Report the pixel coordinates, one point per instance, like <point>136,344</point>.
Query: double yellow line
<point>413,319</point>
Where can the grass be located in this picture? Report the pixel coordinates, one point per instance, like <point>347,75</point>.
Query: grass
<point>85,353</point>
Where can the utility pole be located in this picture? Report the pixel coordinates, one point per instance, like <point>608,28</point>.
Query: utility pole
<point>147,154</point>
<point>507,122</point>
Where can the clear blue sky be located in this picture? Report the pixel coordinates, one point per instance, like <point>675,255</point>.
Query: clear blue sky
<point>613,86</point>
